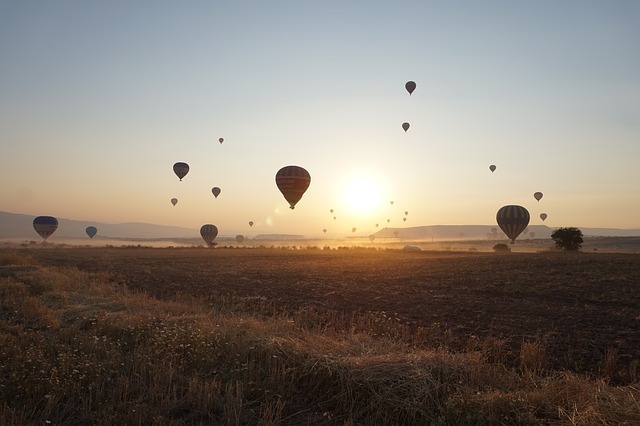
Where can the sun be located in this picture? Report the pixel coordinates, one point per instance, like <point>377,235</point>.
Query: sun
<point>362,195</point>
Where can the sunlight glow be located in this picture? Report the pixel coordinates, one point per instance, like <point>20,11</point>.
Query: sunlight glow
<point>362,196</point>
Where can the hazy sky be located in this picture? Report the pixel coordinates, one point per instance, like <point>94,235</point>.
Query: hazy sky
<point>98,100</point>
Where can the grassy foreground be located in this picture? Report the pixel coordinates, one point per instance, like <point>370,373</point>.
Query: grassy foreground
<point>78,348</point>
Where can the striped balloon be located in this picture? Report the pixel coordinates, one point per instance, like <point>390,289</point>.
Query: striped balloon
<point>292,181</point>
<point>209,232</point>
<point>45,226</point>
<point>512,220</point>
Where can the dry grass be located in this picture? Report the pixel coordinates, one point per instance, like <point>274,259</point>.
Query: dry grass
<point>77,348</point>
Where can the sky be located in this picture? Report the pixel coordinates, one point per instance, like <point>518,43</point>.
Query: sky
<point>99,99</point>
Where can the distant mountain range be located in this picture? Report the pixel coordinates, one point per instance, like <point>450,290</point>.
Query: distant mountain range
<point>13,225</point>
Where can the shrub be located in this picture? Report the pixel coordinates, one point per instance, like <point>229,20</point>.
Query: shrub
<point>501,248</point>
<point>568,238</point>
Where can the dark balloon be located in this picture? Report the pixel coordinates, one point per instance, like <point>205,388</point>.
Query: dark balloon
<point>209,233</point>
<point>537,195</point>
<point>45,226</point>
<point>492,168</point>
<point>91,231</point>
<point>292,181</point>
<point>221,140</point>
<point>174,201</point>
<point>543,216</point>
<point>215,191</point>
<point>512,220</point>
<point>410,86</point>
<point>181,169</point>
<point>406,126</point>
<point>239,238</point>
<point>250,223</point>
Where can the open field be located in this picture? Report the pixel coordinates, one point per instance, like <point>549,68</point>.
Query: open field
<point>521,337</point>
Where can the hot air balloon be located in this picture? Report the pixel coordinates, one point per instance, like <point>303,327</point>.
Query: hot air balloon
<point>334,218</point>
<point>532,234</point>
<point>377,224</point>
<point>406,213</point>
<point>537,195</point>
<point>239,238</point>
<point>216,191</point>
<point>331,211</point>
<point>353,229</point>
<point>181,169</point>
<point>372,237</point>
<point>324,230</point>
<point>410,86</point>
<point>174,201</point>
<point>250,223</point>
<point>404,219</point>
<point>209,233</point>
<point>494,230</point>
<point>388,220</point>
<point>492,168</point>
<point>543,216</point>
<point>292,181</point>
<point>221,140</point>
<point>391,202</point>
<point>406,126</point>
<point>91,231</point>
<point>45,226</point>
<point>512,220</point>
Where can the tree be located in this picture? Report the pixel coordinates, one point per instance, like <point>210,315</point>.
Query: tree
<point>568,238</point>
<point>498,248</point>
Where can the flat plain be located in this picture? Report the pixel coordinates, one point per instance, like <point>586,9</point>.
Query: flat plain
<point>580,306</point>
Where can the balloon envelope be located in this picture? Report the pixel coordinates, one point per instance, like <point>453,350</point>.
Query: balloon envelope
<point>174,201</point>
<point>372,237</point>
<point>353,229</point>
<point>45,226</point>
<point>250,223</point>
<point>215,191</point>
<point>543,216</point>
<point>512,220</point>
<point>91,231</point>
<point>537,195</point>
<point>209,233</point>
<point>406,126</point>
<point>239,238</point>
<point>181,169</point>
<point>492,168</point>
<point>410,86</point>
<point>292,181</point>
<point>221,140</point>
<point>324,230</point>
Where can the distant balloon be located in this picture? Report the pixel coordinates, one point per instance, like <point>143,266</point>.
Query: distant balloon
<point>406,126</point>
<point>250,223</point>
<point>391,202</point>
<point>292,181</point>
<point>331,211</point>
<point>353,229</point>
<point>221,140</point>
<point>334,218</point>
<point>388,220</point>
<point>406,213</point>
<point>492,168</point>
<point>404,219</point>
<point>91,231</point>
<point>181,169</point>
<point>410,86</point>
<point>543,216</point>
<point>372,237</point>
<point>494,230</point>
<point>239,238</point>
<point>512,220</point>
<point>174,201</point>
<point>537,195</point>
<point>324,230</point>
<point>209,233</point>
<point>532,234</point>
<point>216,191</point>
<point>45,226</point>
<point>377,224</point>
